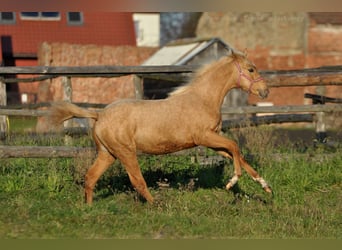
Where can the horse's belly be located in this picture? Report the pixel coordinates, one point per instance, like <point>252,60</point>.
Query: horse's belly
<point>162,146</point>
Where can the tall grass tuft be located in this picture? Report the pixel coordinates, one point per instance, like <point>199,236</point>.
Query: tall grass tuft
<point>256,142</point>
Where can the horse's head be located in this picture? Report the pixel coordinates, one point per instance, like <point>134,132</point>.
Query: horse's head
<point>248,77</point>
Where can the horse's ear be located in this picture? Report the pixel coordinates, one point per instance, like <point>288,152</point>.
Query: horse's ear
<point>232,53</point>
<point>245,52</point>
<point>227,51</point>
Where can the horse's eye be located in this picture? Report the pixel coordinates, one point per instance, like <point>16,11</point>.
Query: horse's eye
<point>251,70</point>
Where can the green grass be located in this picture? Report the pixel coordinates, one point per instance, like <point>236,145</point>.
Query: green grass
<point>43,198</point>
<point>21,124</point>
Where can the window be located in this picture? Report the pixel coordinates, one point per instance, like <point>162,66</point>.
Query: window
<point>7,17</point>
<point>75,18</point>
<point>53,16</point>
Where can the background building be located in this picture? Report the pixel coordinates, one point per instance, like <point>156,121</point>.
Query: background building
<point>22,33</point>
<point>275,41</point>
<point>281,41</point>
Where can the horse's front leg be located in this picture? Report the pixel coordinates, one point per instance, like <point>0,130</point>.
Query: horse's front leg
<point>251,171</point>
<point>229,149</point>
<point>235,178</point>
<point>254,174</point>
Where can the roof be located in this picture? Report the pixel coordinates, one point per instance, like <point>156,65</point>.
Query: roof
<point>182,52</point>
<point>334,18</point>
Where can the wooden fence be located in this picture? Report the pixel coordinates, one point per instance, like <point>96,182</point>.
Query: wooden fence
<point>329,75</point>
<point>291,78</point>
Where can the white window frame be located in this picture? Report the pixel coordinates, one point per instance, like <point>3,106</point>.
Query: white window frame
<point>40,16</point>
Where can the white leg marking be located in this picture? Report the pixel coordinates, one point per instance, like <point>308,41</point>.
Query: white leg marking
<point>262,182</point>
<point>232,182</point>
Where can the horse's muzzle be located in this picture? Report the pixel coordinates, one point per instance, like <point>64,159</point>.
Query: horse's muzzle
<point>263,93</point>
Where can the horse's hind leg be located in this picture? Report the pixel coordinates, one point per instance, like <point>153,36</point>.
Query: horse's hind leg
<point>132,167</point>
<point>103,161</point>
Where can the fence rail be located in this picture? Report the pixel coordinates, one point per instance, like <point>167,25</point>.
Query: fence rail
<point>224,111</point>
<point>45,151</point>
<point>329,75</point>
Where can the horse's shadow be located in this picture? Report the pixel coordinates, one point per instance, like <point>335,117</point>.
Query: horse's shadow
<point>205,177</point>
<point>208,177</point>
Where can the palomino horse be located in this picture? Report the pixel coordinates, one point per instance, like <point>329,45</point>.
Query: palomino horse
<point>189,117</point>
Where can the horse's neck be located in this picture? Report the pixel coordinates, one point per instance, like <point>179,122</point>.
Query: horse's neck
<point>213,86</point>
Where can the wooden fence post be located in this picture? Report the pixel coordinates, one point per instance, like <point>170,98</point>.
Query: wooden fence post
<point>138,87</point>
<point>67,96</point>
<point>3,119</point>
<point>321,134</point>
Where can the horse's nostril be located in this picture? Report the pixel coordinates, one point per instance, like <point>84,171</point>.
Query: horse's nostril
<point>263,93</point>
<point>266,92</point>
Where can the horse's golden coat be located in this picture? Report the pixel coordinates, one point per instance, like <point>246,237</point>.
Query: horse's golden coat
<point>189,117</point>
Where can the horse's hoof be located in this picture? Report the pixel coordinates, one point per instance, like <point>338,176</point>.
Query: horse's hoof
<point>268,189</point>
<point>229,186</point>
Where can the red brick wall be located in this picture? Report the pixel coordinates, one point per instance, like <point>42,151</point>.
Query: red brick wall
<point>281,41</point>
<point>323,48</point>
<point>102,28</point>
<point>92,90</point>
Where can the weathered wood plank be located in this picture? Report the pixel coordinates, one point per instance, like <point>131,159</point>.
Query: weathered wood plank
<point>95,70</point>
<point>57,152</point>
<point>24,112</point>
<point>71,152</point>
<point>155,69</point>
<point>322,99</point>
<point>282,109</point>
<point>3,119</point>
<point>235,110</point>
<point>44,152</point>
<point>330,75</point>
<point>262,120</point>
